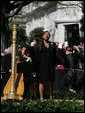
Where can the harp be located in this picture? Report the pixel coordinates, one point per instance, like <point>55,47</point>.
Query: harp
<point>18,85</point>
<point>14,88</point>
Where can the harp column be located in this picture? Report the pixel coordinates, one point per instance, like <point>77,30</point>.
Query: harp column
<point>12,94</point>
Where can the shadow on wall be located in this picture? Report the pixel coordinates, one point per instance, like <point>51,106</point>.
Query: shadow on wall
<point>42,11</point>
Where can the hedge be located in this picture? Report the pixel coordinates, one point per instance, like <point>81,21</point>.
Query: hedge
<point>47,106</point>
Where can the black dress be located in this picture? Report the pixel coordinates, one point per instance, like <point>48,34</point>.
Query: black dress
<point>47,62</point>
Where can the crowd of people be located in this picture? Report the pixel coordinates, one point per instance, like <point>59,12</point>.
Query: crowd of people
<point>45,57</point>
<point>6,57</point>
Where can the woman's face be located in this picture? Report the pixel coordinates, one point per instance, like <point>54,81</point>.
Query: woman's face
<point>46,36</point>
<point>68,49</point>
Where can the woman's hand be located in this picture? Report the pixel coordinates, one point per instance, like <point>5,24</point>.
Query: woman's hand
<point>46,44</point>
<point>68,52</point>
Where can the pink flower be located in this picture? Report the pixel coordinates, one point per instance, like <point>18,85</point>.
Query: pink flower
<point>61,67</point>
<point>56,68</point>
<point>79,46</point>
<point>23,49</point>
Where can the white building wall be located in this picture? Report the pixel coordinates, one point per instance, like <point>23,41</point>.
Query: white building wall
<point>61,33</point>
<point>59,16</point>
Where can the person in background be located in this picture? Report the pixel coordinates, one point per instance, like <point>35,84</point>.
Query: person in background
<point>78,56</point>
<point>33,42</point>
<point>56,43</point>
<point>70,62</point>
<point>2,73</point>
<point>2,55</point>
<point>63,46</point>
<point>6,66</point>
<point>27,57</point>
<point>30,77</point>
<point>27,44</point>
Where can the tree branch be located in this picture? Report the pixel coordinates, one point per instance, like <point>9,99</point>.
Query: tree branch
<point>15,5</point>
<point>60,3</point>
<point>18,9</point>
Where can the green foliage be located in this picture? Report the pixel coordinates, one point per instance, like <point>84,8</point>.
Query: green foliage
<point>82,23</point>
<point>81,39</point>
<point>10,36</point>
<point>66,94</point>
<point>69,95</point>
<point>21,36</point>
<point>82,20</point>
<point>36,33</point>
<point>38,106</point>
<point>47,106</point>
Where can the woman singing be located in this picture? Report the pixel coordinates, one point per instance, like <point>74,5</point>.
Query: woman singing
<point>47,65</point>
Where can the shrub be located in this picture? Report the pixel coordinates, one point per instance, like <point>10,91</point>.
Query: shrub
<point>36,33</point>
<point>47,106</point>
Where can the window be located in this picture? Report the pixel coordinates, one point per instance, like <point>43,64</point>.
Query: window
<point>72,34</point>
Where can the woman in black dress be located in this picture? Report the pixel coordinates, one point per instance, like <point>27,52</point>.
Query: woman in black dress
<point>47,64</point>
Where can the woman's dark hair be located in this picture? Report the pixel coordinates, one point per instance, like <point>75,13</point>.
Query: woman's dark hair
<point>48,32</point>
